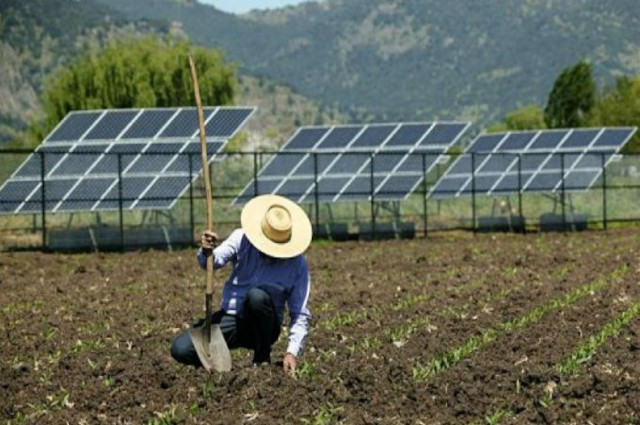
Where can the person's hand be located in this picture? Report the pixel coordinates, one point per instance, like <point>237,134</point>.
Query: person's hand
<point>208,241</point>
<point>289,363</point>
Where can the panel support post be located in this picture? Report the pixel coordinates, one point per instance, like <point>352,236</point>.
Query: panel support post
<point>604,193</point>
<point>520,209</point>
<point>564,210</point>
<point>373,201</point>
<point>120,203</point>
<point>255,173</point>
<point>191,215</point>
<point>316,197</point>
<point>43,208</point>
<point>473,191</point>
<point>425,214</point>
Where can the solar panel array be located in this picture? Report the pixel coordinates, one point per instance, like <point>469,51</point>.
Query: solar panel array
<point>81,159</point>
<point>352,161</point>
<point>532,161</point>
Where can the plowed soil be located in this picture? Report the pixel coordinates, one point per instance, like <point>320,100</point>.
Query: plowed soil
<point>84,339</point>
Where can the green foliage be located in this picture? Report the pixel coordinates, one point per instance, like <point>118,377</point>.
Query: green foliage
<point>530,117</point>
<point>134,74</point>
<point>572,97</point>
<point>619,106</point>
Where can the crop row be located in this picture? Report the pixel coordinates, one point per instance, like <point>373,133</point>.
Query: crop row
<point>435,366</point>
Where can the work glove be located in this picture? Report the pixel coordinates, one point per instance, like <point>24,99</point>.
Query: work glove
<point>209,242</point>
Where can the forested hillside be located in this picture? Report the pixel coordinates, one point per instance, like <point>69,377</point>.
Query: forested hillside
<point>417,59</point>
<point>40,37</point>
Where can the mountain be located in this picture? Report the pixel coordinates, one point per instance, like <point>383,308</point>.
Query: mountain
<point>416,59</point>
<point>39,37</point>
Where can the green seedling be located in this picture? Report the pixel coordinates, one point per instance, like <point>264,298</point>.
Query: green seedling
<point>167,417</point>
<point>450,359</point>
<point>306,370</point>
<point>323,416</point>
<point>587,349</point>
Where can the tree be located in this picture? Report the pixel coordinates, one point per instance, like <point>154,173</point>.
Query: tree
<point>572,97</point>
<point>529,117</point>
<point>135,74</point>
<point>619,106</point>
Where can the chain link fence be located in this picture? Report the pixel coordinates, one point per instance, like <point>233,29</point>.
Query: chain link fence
<point>114,207</point>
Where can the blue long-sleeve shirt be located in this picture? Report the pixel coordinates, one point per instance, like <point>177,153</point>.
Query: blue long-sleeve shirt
<point>286,280</point>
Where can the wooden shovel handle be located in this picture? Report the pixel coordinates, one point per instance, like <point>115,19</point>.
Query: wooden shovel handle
<point>205,170</point>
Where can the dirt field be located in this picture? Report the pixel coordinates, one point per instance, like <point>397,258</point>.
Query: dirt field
<point>447,330</point>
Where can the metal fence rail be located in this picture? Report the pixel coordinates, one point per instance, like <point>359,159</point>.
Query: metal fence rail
<point>28,220</point>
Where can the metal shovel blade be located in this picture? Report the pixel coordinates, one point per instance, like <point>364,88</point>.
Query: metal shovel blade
<point>212,349</point>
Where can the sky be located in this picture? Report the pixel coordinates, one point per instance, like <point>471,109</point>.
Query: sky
<point>241,6</point>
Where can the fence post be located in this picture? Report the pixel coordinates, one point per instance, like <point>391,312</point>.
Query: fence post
<point>191,215</point>
<point>604,193</point>
<point>520,213</point>
<point>425,218</point>
<point>120,202</point>
<point>372,190</point>
<point>43,209</point>
<point>564,211</point>
<point>316,199</point>
<point>255,173</point>
<point>473,191</point>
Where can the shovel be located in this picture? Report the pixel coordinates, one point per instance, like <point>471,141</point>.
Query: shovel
<point>207,338</point>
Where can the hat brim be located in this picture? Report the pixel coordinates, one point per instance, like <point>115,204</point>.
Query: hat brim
<point>301,233</point>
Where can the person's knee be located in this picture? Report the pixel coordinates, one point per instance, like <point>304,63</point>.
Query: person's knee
<point>257,297</point>
<point>181,347</point>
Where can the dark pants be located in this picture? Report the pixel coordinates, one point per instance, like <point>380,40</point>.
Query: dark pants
<point>257,330</point>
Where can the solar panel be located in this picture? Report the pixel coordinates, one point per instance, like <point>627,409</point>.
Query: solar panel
<point>81,159</point>
<point>350,162</point>
<point>532,161</point>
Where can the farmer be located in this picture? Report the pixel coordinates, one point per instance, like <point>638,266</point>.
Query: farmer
<point>268,270</point>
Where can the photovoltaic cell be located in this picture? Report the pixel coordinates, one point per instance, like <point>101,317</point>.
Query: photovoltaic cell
<point>517,141</point>
<point>163,193</point>
<point>408,135</point>
<point>443,133</point>
<point>579,139</point>
<point>85,194</point>
<point>148,124</point>
<point>294,189</point>
<point>396,187</point>
<point>339,137</point>
<point>79,161</point>
<point>54,192</point>
<point>14,193</point>
<point>343,158</point>
<point>373,136</point>
<point>485,143</point>
<point>613,137</point>
<point>184,125</point>
<point>306,138</point>
<point>132,188</point>
<point>548,160</point>
<point>73,127</point>
<point>81,158</point>
<point>111,125</point>
<point>225,122</point>
<point>155,158</point>
<point>549,139</point>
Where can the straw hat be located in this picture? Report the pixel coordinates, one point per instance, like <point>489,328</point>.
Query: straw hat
<point>276,226</point>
